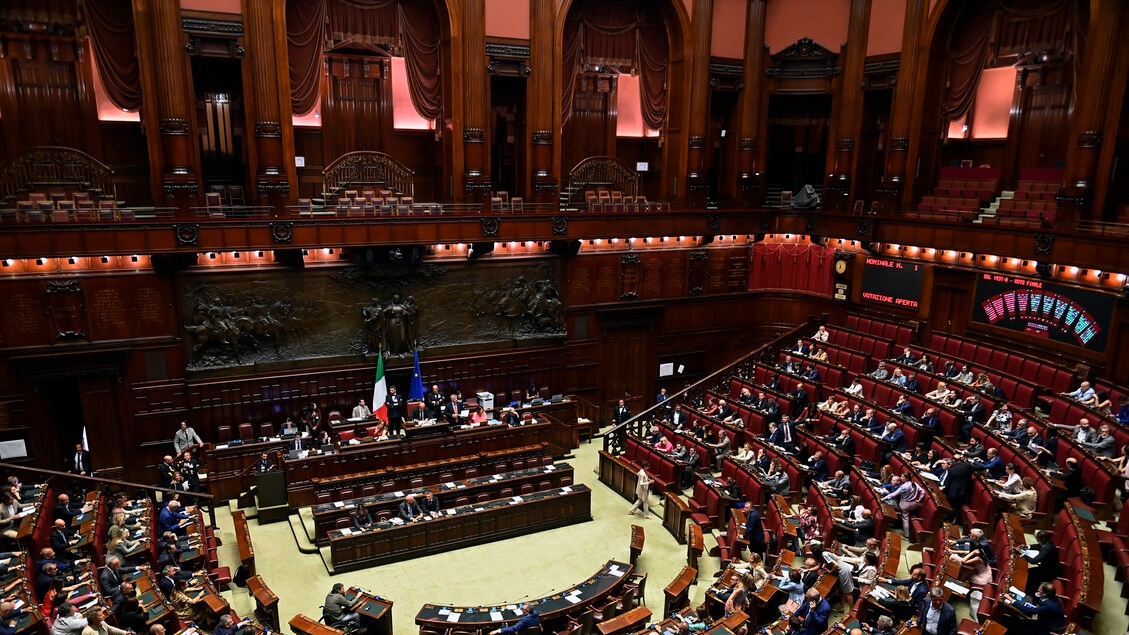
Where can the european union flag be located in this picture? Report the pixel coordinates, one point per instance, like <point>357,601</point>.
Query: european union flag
<point>415,390</point>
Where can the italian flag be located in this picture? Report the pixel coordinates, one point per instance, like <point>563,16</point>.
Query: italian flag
<point>380,391</point>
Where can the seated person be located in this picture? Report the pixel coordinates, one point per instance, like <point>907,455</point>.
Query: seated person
<point>907,357</point>
<point>664,445</point>
<point>362,520</point>
<point>940,393</point>
<point>479,416</point>
<point>898,377</point>
<point>1084,394</point>
<point>410,511</point>
<point>430,503</point>
<point>855,389</point>
<point>880,373</point>
<point>1024,502</point>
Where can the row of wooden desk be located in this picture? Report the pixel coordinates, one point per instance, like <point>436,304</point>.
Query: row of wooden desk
<point>327,516</point>
<point>459,527</point>
<point>228,463</point>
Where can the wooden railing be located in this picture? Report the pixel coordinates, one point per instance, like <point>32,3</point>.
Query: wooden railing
<point>693,395</point>
<point>365,169</point>
<point>52,168</point>
<point>38,475</point>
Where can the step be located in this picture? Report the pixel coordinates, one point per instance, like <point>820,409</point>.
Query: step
<point>305,545</point>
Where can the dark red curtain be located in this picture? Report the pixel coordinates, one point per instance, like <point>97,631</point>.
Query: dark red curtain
<point>419,37</point>
<point>305,43</point>
<point>986,31</point>
<point>619,36</point>
<point>114,43</point>
<point>792,267</point>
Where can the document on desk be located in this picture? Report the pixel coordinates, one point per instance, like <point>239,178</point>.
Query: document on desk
<point>398,494</point>
<point>565,490</point>
<point>550,468</point>
<point>1030,553</point>
<point>338,504</point>
<point>572,599</point>
<point>453,616</point>
<point>517,499</point>
<point>450,485</point>
<point>956,587</point>
<point>879,593</point>
<point>496,616</point>
<point>450,512</point>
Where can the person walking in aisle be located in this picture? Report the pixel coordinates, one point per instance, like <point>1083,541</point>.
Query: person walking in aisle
<point>642,492</point>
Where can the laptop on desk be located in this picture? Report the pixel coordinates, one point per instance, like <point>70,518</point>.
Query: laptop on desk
<point>556,399</point>
<point>537,402</point>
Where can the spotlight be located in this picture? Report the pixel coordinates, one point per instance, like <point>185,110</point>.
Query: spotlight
<point>235,254</point>
<point>105,260</point>
<point>134,258</point>
<point>72,260</point>
<point>41,261</point>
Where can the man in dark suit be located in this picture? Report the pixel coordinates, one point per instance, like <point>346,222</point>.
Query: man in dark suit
<point>297,444</point>
<point>815,612</point>
<point>843,442</point>
<point>974,413</point>
<point>61,541</point>
<point>452,412</point>
<point>1047,609</point>
<point>799,401</point>
<point>1047,567</point>
<point>912,384</point>
<point>430,503</point>
<point>811,373</point>
<point>111,577</point>
<point>773,382</point>
<point>870,421</point>
<point>165,470</point>
<point>66,511</point>
<point>992,463</point>
<point>410,510</point>
<point>433,403</point>
<point>958,485</point>
<point>930,425</point>
<point>80,461</point>
<point>754,530</point>
<point>937,616</point>
<point>724,411</point>
<point>863,527</point>
<point>264,464</point>
<point>678,417</point>
<point>394,405</point>
<point>621,413</point>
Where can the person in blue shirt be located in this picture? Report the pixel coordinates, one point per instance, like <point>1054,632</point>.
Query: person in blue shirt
<point>172,519</point>
<point>894,438</point>
<point>1047,609</point>
<point>814,612</point>
<point>228,625</point>
<point>992,463</point>
<point>529,619</point>
<point>1123,410</point>
<point>9,618</point>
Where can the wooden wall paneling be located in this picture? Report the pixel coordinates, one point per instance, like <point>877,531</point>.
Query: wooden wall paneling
<point>357,113</point>
<point>1104,55</point>
<point>166,84</point>
<point>905,110</point>
<point>750,108</point>
<point>102,416</point>
<point>697,180</point>
<point>124,149</point>
<point>846,127</point>
<point>627,366</point>
<point>45,78</point>
<point>590,131</point>
<point>270,168</point>
<point>476,104</point>
<point>308,144</point>
<point>542,103</point>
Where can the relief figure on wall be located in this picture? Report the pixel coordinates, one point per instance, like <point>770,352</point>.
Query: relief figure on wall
<point>392,328</point>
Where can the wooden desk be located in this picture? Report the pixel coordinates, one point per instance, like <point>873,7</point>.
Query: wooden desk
<point>266,602</point>
<point>695,545</point>
<point>375,611</point>
<point>393,453</point>
<point>625,622</point>
<point>677,593</point>
<point>326,516</point>
<point>302,625</point>
<point>597,588</point>
<point>459,527</point>
<point>227,465</point>
<point>637,538</point>
<point>676,514</point>
<point>243,538</point>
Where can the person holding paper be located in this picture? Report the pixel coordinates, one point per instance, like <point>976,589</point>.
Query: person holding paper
<point>529,619</point>
<point>642,492</point>
<point>362,520</point>
<point>1047,609</point>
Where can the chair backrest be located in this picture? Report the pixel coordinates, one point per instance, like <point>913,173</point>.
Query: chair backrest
<point>213,199</point>
<point>518,204</point>
<point>60,216</point>
<point>388,486</point>
<point>66,204</point>
<point>527,489</point>
<point>368,490</point>
<point>246,431</point>
<point>507,492</point>
<point>334,415</point>
<point>266,430</point>
<point>346,494</point>
<point>446,477</point>
<point>417,482</point>
<point>223,433</point>
<point>471,472</point>
<point>106,205</point>
<point>125,214</point>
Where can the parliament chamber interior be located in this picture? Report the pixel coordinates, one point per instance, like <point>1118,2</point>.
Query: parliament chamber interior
<point>456,317</point>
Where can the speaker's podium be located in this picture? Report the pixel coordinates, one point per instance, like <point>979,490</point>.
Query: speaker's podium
<point>270,497</point>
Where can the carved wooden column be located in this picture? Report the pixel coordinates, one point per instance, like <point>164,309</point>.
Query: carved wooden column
<point>901,114</point>
<point>1103,52</point>
<point>697,180</point>
<point>841,166</point>
<point>267,97</point>
<point>540,97</point>
<point>168,109</point>
<point>750,106</point>
<point>476,103</point>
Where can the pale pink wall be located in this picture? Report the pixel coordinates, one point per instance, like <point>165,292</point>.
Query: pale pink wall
<point>729,28</point>
<point>887,18</point>
<point>212,6</point>
<point>629,110</point>
<point>824,21</point>
<point>507,18</point>
<point>107,111</point>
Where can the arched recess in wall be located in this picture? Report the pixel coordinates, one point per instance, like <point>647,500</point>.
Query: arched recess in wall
<point>1043,40</point>
<point>595,42</point>
<point>340,55</point>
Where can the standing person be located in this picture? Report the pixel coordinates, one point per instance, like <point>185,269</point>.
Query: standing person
<point>937,616</point>
<point>394,403</point>
<point>621,413</point>
<point>754,530</point>
<point>80,462</point>
<point>185,439</point>
<point>642,492</point>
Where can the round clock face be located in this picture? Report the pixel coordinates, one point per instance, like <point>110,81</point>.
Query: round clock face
<point>840,267</point>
